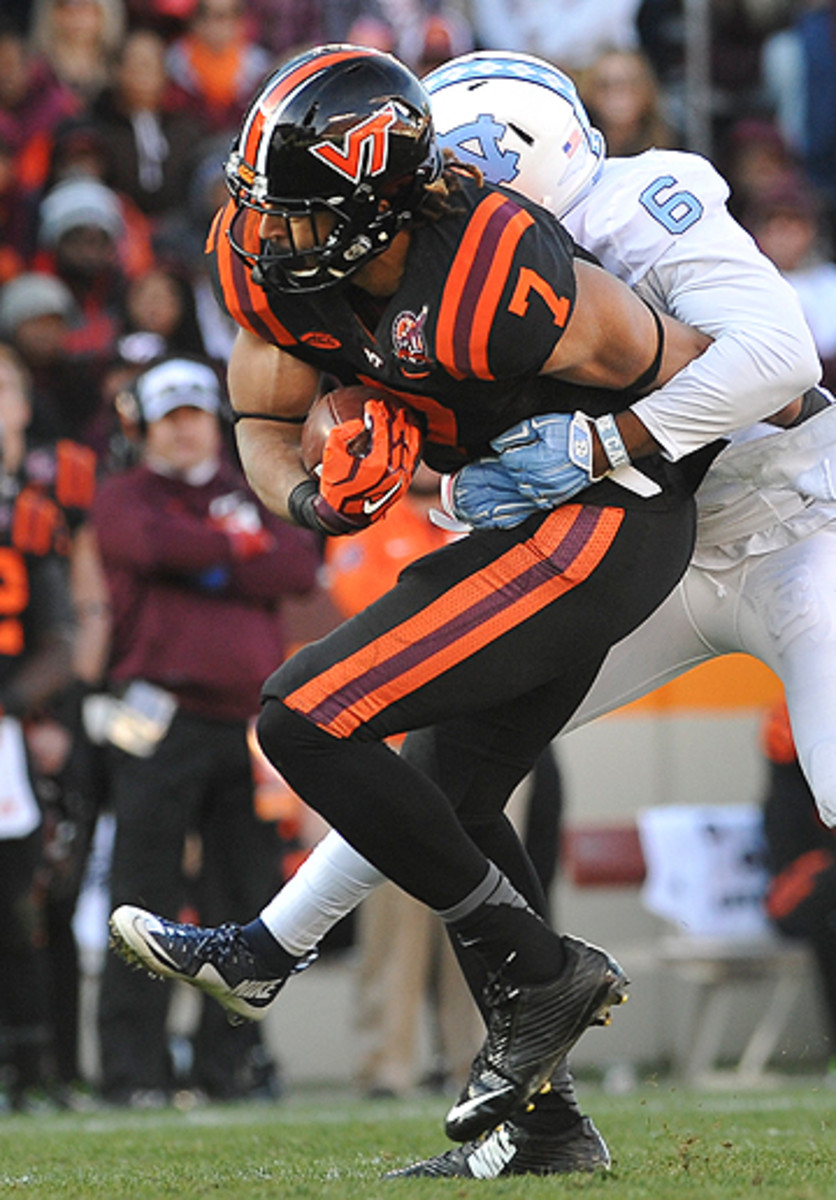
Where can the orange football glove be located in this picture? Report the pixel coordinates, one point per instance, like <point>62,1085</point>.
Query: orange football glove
<point>361,488</point>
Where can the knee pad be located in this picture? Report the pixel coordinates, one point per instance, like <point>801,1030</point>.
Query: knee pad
<point>289,739</point>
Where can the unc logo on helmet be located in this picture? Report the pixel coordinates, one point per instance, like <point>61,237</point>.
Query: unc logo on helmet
<point>480,142</point>
<point>336,149</point>
<point>520,120</point>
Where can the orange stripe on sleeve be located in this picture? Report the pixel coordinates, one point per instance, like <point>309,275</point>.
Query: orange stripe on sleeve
<point>457,279</point>
<point>491,292</point>
<point>212,235</point>
<point>261,308</point>
<point>225,261</point>
<point>246,301</point>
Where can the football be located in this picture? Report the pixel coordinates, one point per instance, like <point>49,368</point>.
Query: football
<point>334,408</point>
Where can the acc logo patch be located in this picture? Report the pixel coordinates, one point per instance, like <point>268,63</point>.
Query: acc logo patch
<point>408,339</point>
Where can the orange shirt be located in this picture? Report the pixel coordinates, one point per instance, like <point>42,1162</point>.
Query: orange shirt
<point>362,567</point>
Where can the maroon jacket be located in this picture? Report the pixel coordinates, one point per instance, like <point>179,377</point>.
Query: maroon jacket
<point>189,614</point>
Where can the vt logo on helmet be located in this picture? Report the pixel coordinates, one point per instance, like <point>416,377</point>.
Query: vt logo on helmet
<point>337,146</point>
<point>365,149</point>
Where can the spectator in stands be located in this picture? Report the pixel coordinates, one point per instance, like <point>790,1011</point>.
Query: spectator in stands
<point>37,312</point>
<point>372,31</point>
<point>168,18</point>
<point>623,100</point>
<point>755,159</point>
<point>285,26</point>
<point>188,551</point>
<point>799,65</point>
<point>801,900</point>
<point>80,230</point>
<point>81,150</point>
<point>17,221</point>
<point>64,474</point>
<point>35,665</point>
<point>789,225</point>
<point>439,37</point>
<point>216,64</point>
<point>571,33</point>
<point>162,302</point>
<point>152,144</point>
<point>33,102</point>
<point>208,192</point>
<point>736,31</point>
<point>115,442</point>
<point>78,38</point>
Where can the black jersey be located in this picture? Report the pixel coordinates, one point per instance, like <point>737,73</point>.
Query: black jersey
<point>486,294</point>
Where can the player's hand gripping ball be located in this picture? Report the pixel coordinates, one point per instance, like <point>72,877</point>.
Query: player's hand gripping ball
<point>362,445</point>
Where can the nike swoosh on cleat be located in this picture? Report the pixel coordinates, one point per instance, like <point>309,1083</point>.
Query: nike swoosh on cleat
<point>466,1107</point>
<point>150,947</point>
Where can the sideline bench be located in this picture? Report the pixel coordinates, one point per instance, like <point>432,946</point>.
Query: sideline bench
<point>605,855</point>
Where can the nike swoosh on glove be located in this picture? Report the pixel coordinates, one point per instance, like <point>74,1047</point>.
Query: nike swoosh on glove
<point>549,457</point>
<point>485,495</point>
<point>361,488</point>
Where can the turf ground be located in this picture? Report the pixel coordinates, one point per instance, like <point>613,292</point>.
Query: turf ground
<point>667,1144</point>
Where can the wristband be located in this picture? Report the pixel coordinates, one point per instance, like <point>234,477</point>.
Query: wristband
<point>612,441</point>
<point>308,508</point>
<point>300,505</point>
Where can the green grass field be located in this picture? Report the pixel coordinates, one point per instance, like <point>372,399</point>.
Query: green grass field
<point>666,1143</point>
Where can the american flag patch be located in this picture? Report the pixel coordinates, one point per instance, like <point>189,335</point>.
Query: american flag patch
<point>574,141</point>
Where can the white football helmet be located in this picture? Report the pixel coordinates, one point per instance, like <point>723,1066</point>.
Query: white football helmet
<point>520,120</point>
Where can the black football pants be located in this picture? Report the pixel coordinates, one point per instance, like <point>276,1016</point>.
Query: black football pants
<point>487,646</point>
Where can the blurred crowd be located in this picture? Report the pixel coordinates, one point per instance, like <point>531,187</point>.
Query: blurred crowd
<point>115,116</point>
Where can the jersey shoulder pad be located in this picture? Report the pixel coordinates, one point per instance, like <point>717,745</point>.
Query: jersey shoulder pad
<point>642,206</point>
<point>245,301</point>
<point>508,293</point>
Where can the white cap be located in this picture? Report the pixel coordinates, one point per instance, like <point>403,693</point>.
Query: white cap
<point>33,295</point>
<point>77,202</point>
<point>177,383</point>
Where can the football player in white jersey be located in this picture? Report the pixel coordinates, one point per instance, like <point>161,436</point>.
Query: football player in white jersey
<point>763,571</point>
<point>759,577</point>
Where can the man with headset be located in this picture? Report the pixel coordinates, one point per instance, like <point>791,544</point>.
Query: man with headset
<point>196,571</point>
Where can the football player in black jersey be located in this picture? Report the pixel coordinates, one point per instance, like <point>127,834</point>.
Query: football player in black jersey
<point>36,644</point>
<point>351,249</point>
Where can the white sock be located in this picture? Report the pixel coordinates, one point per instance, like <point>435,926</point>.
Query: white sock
<point>330,883</point>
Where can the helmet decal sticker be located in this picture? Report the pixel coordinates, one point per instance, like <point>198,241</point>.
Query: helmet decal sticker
<point>479,143</point>
<point>365,149</point>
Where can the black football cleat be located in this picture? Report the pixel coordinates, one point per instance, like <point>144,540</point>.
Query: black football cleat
<point>218,961</point>
<point>511,1150</point>
<point>530,1029</point>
